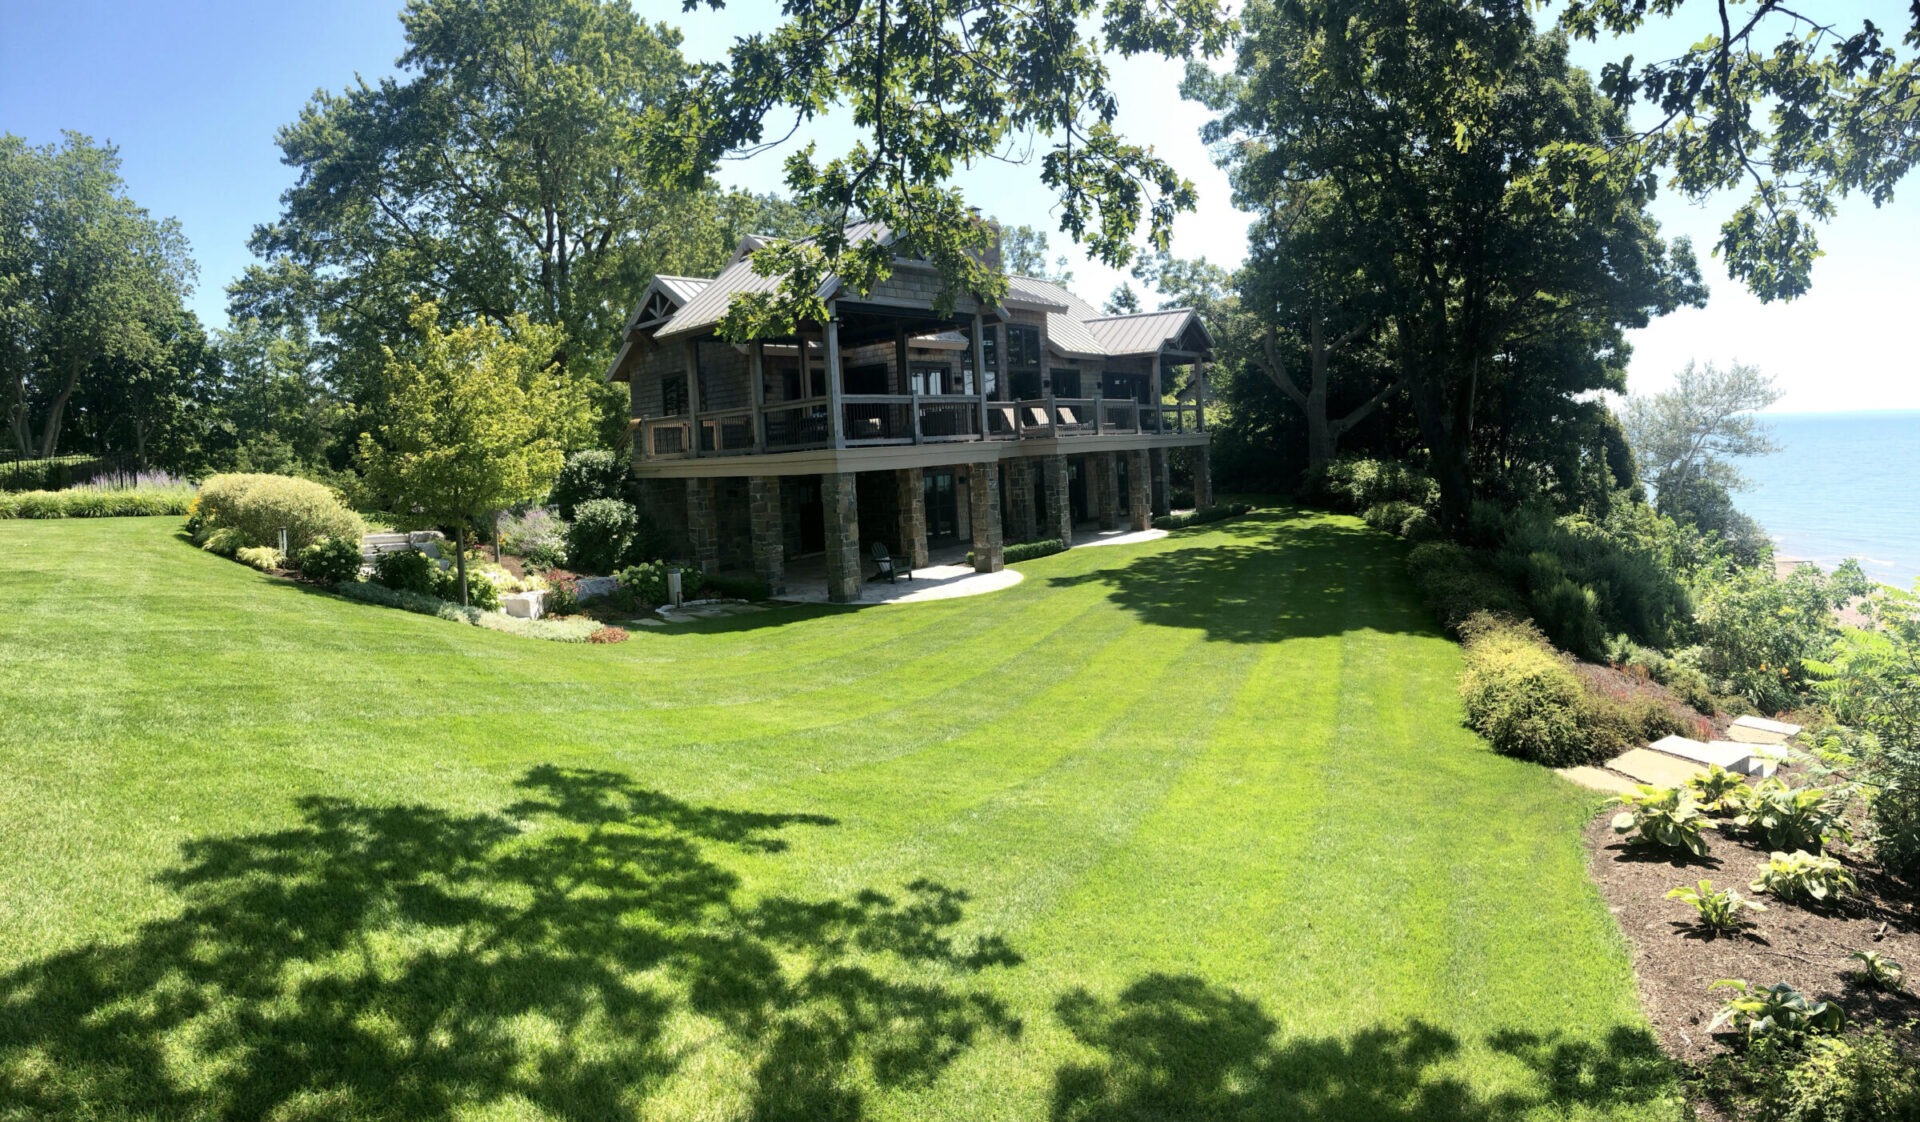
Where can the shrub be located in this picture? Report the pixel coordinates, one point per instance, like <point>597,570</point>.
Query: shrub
<point>408,570</point>
<point>1390,516</point>
<point>1027,551</point>
<point>482,591</point>
<point>260,506</point>
<point>535,536</point>
<point>1720,910</point>
<point>408,600</point>
<point>1789,818</point>
<point>1357,483</point>
<point>1661,818</point>
<point>1861,1077</point>
<point>1457,582</point>
<point>224,542</point>
<point>98,502</point>
<point>603,531</point>
<point>609,634</point>
<point>1522,696</point>
<point>1804,877</point>
<point>563,593</point>
<point>593,474</point>
<point>1758,632</point>
<point>1879,972</point>
<point>647,582</point>
<point>330,560</point>
<point>1778,1010</point>
<point>262,557</point>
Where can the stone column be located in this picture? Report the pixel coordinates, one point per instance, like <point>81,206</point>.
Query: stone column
<point>1139,491</point>
<point>1022,521</point>
<point>703,525</point>
<point>1162,482</point>
<point>1106,477</point>
<point>912,489</point>
<point>983,506</point>
<point>1059,522</point>
<point>768,532</point>
<point>1202,478</point>
<point>841,497</point>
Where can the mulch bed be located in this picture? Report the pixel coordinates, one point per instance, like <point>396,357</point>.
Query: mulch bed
<point>1806,948</point>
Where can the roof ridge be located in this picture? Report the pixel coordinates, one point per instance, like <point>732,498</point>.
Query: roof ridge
<point>1137,315</point>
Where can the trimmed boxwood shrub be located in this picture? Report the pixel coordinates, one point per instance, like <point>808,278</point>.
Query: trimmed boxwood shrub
<point>601,534</point>
<point>407,570</point>
<point>1027,551</point>
<point>1522,695</point>
<point>258,507</point>
<point>331,559</point>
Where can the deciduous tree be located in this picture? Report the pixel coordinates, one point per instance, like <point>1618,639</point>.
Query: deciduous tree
<point>478,420</point>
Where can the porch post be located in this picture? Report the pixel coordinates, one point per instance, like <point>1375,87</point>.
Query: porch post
<point>841,497</point>
<point>1157,396</point>
<point>980,371</point>
<point>769,536</point>
<point>1202,478</point>
<point>1139,491</point>
<point>703,524</point>
<point>1200,393</point>
<point>836,414</point>
<point>1059,523</point>
<point>911,498</point>
<point>1162,485</point>
<point>757,370</point>
<point>983,506</point>
<point>1106,471</point>
<point>1022,520</point>
<point>693,398</point>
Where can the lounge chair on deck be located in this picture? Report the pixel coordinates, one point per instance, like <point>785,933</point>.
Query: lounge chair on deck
<point>884,565</point>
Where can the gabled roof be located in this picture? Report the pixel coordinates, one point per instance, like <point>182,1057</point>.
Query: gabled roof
<point>681,289</point>
<point>1145,333</point>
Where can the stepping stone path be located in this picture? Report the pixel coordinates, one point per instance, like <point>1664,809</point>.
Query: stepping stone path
<point>1672,760</point>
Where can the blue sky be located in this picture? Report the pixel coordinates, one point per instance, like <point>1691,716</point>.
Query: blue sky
<point>193,93</point>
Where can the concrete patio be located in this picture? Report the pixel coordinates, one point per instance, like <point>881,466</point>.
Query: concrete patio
<point>947,577</point>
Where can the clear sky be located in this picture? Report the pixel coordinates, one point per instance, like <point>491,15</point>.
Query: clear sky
<point>193,92</point>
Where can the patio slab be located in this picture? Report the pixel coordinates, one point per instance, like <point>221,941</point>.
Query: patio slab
<point>1760,730</point>
<point>945,580</point>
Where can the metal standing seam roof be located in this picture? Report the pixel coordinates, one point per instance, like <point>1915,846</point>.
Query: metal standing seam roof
<point>681,289</point>
<point>1142,333</point>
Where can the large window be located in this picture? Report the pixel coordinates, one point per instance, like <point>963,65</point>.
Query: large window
<point>1023,347</point>
<point>932,379</point>
<point>673,394</point>
<point>1066,382</point>
<point>870,378</point>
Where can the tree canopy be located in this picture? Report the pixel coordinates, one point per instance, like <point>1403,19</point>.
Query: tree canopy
<point>1502,240</point>
<point>1826,111</point>
<point>935,85</point>
<point>479,419</point>
<point>91,285</point>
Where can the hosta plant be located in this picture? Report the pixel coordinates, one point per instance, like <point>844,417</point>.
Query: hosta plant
<point>1808,877</point>
<point>1721,910</point>
<point>1720,791</point>
<point>1789,818</point>
<point>1777,1011</point>
<point>1663,818</point>
<point>1878,971</point>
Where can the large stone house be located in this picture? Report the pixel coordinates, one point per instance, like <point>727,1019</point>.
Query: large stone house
<point>890,423</point>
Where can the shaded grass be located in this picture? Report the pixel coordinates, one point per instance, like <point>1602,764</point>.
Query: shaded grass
<point>1180,830</point>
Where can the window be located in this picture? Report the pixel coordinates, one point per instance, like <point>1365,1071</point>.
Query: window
<point>673,394</point>
<point>1123,387</point>
<point>1023,347</point>
<point>938,378</point>
<point>1066,382</point>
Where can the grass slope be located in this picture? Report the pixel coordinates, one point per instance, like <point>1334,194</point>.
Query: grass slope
<point>1181,830</point>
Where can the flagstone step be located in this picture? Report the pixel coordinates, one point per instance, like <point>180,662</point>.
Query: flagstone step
<point>1733,757</point>
<point>1761,730</point>
<point>1598,779</point>
<point>1657,768</point>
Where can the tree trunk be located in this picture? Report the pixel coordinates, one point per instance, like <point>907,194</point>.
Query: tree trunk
<point>50,434</point>
<point>460,559</point>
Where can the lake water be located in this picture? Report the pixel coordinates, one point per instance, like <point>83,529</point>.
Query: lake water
<point>1842,485</point>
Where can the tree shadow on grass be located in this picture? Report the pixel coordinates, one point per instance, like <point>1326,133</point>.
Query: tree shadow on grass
<point>411,962</point>
<point>1280,575</point>
<point>1175,1046</point>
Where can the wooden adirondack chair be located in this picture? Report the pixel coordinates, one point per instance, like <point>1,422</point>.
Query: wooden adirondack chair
<point>885,566</point>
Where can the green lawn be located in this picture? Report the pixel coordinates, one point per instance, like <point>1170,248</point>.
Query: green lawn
<point>1183,830</point>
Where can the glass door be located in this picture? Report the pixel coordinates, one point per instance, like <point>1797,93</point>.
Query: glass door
<point>943,506</point>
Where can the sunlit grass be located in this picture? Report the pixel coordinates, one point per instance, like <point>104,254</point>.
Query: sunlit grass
<point>1181,830</point>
